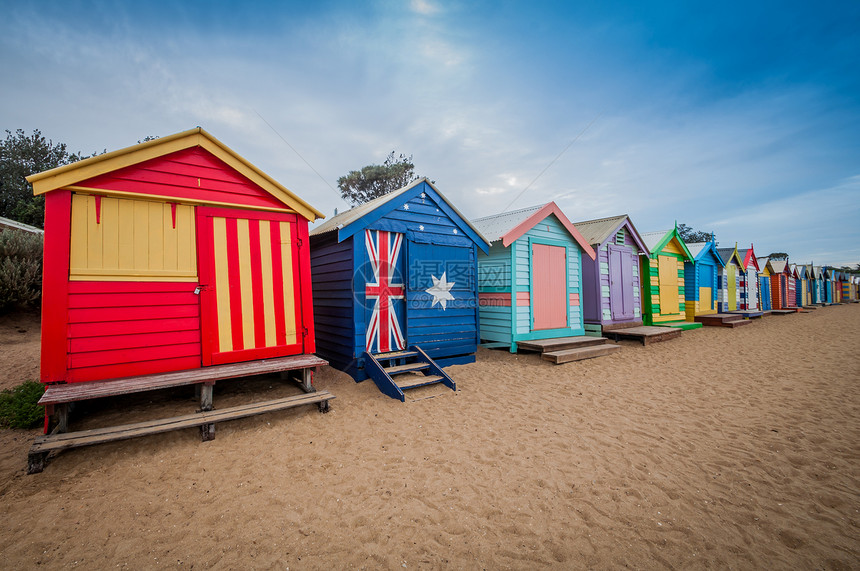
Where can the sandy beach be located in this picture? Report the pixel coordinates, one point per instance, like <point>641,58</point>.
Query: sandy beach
<point>726,448</point>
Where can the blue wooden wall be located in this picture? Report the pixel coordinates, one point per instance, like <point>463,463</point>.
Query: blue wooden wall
<point>331,280</point>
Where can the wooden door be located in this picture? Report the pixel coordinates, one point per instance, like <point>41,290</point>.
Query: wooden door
<point>706,282</point>
<point>732,287</point>
<point>250,285</point>
<point>669,289</point>
<point>549,287</point>
<point>752,290</point>
<point>385,310</point>
<point>621,282</point>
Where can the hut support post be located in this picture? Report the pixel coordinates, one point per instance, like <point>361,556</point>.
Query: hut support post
<point>207,431</point>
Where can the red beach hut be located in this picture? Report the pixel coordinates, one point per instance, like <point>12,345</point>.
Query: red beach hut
<point>171,255</point>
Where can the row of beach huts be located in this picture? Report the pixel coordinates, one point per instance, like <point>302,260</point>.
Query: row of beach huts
<point>177,262</point>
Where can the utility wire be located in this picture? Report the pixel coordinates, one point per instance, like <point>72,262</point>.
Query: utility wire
<point>298,154</point>
<point>552,162</point>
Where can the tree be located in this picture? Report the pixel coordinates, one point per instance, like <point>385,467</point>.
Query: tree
<point>778,256</point>
<point>373,181</point>
<point>691,236</point>
<point>20,156</point>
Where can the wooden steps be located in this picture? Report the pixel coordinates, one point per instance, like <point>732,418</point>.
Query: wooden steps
<point>397,371</point>
<point>782,311</point>
<point>682,325</point>
<point>44,445</point>
<point>560,343</point>
<point>567,349</point>
<point>645,333</point>
<point>747,313</point>
<point>579,353</point>
<point>722,320</point>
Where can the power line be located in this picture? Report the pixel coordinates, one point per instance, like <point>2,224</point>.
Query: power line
<point>552,162</point>
<point>297,153</point>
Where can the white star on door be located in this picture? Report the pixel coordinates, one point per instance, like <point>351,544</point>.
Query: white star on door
<point>441,291</point>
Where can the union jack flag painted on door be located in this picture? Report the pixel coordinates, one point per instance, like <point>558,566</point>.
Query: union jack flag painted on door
<point>386,292</point>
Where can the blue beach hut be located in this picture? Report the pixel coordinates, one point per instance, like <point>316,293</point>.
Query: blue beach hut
<point>395,289</point>
<point>701,280</point>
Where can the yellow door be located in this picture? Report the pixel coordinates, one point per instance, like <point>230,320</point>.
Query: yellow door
<point>733,290</point>
<point>668,271</point>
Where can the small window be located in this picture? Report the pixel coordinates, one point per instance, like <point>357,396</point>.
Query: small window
<point>619,237</point>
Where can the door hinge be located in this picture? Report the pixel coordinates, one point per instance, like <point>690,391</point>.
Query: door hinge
<point>304,331</point>
<point>299,242</point>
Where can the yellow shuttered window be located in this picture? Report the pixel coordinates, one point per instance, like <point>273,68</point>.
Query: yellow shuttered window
<point>119,239</point>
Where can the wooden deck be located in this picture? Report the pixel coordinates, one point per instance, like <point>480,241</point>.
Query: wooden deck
<point>646,334</point>
<point>58,399</point>
<point>73,392</point>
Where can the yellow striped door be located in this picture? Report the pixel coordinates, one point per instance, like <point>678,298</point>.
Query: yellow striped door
<point>250,304</point>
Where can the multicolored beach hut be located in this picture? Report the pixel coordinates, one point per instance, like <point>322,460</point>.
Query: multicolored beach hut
<point>802,288</point>
<point>663,277</point>
<point>170,255</point>
<point>827,275</point>
<point>395,288</point>
<point>765,271</point>
<point>730,283</point>
<point>839,279</point>
<point>530,282</point>
<point>701,278</point>
<point>816,282</point>
<point>749,283</point>
<point>782,285</point>
<point>610,282</point>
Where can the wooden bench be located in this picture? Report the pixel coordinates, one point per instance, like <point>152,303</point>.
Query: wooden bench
<point>57,399</point>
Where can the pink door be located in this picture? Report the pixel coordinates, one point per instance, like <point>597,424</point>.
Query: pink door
<point>549,286</point>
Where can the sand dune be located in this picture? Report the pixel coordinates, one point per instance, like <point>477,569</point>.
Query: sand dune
<point>724,448</point>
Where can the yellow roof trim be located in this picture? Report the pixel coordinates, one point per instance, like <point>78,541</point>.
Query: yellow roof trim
<point>67,175</point>
<point>177,200</point>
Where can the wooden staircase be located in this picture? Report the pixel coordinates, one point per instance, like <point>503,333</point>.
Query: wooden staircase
<point>723,320</point>
<point>567,349</point>
<point>398,371</point>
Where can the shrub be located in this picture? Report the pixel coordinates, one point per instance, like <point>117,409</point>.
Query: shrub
<point>20,269</point>
<point>19,408</point>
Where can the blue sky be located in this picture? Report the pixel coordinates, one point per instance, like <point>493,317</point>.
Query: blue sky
<point>739,118</point>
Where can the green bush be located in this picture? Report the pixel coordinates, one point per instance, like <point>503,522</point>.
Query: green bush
<point>20,269</point>
<point>19,408</point>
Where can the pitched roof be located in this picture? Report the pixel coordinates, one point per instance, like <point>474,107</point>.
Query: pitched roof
<point>700,249</point>
<point>598,231</point>
<point>382,205</point>
<point>778,265</point>
<point>15,225</point>
<point>748,256</point>
<point>651,239</point>
<point>496,226</point>
<point>728,253</point>
<point>509,227</point>
<point>655,241</point>
<point>68,175</point>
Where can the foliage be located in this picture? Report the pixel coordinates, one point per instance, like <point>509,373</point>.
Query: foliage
<point>690,236</point>
<point>374,181</point>
<point>19,406</point>
<point>20,269</point>
<point>20,156</point>
<point>778,256</point>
